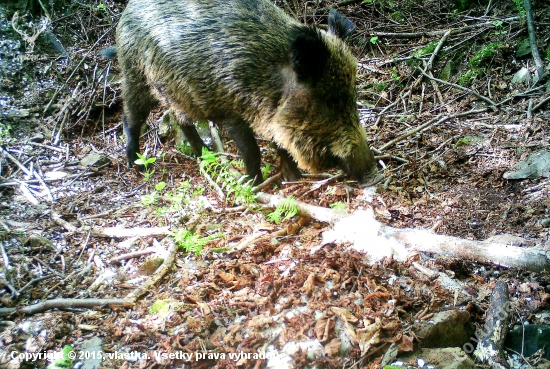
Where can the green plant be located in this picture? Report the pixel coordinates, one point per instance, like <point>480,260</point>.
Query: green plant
<point>185,148</point>
<point>338,206</point>
<point>428,49</point>
<point>285,210</point>
<point>374,40</point>
<point>265,171</point>
<point>467,140</point>
<point>66,360</point>
<point>101,6</point>
<point>191,242</point>
<point>5,130</point>
<point>499,28</point>
<point>468,77</point>
<point>151,198</point>
<point>395,74</point>
<point>485,54</point>
<point>235,190</point>
<point>145,161</point>
<point>520,7</point>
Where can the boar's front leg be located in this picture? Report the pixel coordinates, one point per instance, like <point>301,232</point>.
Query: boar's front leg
<point>243,136</point>
<point>289,168</point>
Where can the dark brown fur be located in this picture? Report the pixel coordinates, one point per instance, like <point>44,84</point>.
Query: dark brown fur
<point>246,65</point>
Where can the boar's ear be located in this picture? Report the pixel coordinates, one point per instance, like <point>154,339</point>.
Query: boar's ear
<point>339,25</point>
<point>309,54</point>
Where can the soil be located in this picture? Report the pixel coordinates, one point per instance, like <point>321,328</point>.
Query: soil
<point>242,282</point>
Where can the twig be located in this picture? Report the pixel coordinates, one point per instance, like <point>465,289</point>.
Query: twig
<point>212,182</point>
<point>16,162</point>
<point>433,121</point>
<point>268,182</point>
<point>117,232</point>
<point>159,273</point>
<point>540,104</point>
<point>56,217</point>
<point>46,146</point>
<point>132,255</point>
<point>46,188</point>
<point>455,31</point>
<point>65,304</point>
<point>76,68</point>
<point>436,51</point>
<point>5,256</point>
<point>486,99</point>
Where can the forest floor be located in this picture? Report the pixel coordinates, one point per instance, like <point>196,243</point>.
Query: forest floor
<point>217,272</point>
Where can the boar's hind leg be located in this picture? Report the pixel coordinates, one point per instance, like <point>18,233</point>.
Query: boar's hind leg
<point>190,132</point>
<point>137,105</point>
<point>288,166</point>
<point>244,138</point>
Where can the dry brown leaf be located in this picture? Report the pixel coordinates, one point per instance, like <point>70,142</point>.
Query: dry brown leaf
<point>333,347</point>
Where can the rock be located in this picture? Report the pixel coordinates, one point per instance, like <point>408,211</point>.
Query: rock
<point>450,328</point>
<point>441,358</point>
<point>92,351</point>
<point>94,160</point>
<point>535,166</point>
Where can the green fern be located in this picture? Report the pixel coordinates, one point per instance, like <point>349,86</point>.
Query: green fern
<point>286,210</point>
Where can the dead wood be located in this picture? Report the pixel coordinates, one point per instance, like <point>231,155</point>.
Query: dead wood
<point>132,255</point>
<point>490,24</point>
<point>434,121</point>
<point>370,236</point>
<point>316,212</point>
<point>117,232</point>
<point>465,89</point>
<point>490,251</point>
<point>491,342</point>
<point>65,304</point>
<point>159,273</point>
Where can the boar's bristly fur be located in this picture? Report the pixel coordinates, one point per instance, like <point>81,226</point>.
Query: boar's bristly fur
<point>246,65</point>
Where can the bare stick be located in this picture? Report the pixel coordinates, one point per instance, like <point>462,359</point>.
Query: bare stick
<point>433,121</point>
<point>56,217</point>
<point>486,99</point>
<point>540,104</point>
<point>442,32</point>
<point>159,273</point>
<point>16,162</point>
<point>117,232</point>
<point>5,256</point>
<point>65,304</point>
<point>133,255</point>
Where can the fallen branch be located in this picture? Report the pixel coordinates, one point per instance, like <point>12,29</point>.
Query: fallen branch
<point>159,273</point>
<point>312,211</point>
<point>434,121</point>
<point>117,232</point>
<point>65,304</point>
<point>478,95</point>
<point>371,237</point>
<point>490,24</point>
<point>491,342</point>
<point>132,255</point>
